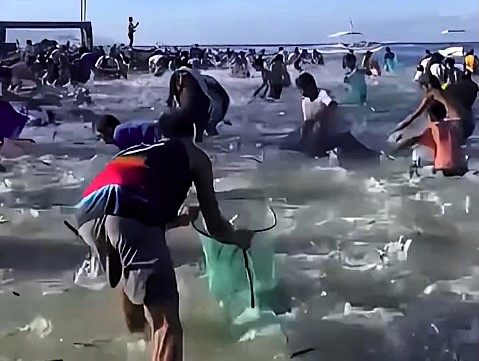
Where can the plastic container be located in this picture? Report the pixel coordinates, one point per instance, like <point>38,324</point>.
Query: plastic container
<point>240,280</point>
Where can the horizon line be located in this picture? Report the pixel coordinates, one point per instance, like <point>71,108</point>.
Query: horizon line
<point>269,45</point>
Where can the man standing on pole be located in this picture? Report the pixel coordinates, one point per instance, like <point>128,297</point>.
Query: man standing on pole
<point>131,30</point>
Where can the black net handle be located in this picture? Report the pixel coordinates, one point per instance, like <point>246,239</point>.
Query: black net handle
<point>250,278</point>
<point>71,228</point>
<point>275,222</point>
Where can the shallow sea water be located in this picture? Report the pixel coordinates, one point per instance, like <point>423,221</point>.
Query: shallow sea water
<point>347,302</point>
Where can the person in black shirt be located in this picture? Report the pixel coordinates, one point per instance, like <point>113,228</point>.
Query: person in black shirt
<point>131,30</point>
<point>349,60</point>
<point>389,58</point>
<point>265,74</point>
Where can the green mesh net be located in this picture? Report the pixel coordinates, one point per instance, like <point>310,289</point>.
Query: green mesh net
<point>241,280</point>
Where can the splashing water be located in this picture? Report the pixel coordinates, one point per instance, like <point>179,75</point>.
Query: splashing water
<point>349,288</point>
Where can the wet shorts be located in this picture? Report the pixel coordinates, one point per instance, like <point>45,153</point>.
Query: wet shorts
<point>137,254</point>
<point>426,139</point>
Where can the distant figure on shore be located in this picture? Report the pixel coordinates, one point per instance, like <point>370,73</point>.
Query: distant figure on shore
<point>131,30</point>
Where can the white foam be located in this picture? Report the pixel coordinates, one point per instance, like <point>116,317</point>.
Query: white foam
<point>331,224</point>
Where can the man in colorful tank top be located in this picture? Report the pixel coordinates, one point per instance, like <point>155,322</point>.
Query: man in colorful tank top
<point>123,216</point>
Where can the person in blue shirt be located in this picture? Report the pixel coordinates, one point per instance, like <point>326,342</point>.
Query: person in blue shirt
<point>128,134</point>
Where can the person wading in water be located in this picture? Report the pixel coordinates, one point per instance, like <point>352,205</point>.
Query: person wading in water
<point>123,216</point>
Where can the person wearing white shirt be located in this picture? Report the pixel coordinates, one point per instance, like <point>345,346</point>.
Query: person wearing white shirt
<point>324,127</point>
<point>431,64</point>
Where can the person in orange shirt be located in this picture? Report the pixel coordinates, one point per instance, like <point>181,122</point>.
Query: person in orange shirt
<point>445,137</point>
<point>456,103</point>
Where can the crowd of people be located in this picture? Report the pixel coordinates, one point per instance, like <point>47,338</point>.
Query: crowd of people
<point>128,186</point>
<point>126,209</point>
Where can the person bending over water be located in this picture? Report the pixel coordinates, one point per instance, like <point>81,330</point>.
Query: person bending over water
<point>128,134</point>
<point>457,99</point>
<point>200,98</point>
<point>325,128</point>
<point>189,90</point>
<point>445,138</point>
<point>132,133</point>
<point>123,215</point>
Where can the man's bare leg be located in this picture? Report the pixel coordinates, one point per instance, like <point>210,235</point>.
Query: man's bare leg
<point>265,91</point>
<point>134,317</point>
<point>166,332</point>
<point>260,88</point>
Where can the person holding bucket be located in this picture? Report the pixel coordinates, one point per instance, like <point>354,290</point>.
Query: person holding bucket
<point>123,216</point>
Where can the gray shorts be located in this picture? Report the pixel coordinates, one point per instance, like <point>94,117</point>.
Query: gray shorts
<point>135,255</point>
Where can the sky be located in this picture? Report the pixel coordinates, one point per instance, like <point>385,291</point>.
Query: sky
<point>258,21</point>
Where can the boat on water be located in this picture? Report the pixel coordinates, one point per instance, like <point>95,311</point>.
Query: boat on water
<point>359,47</point>
<point>455,50</point>
<point>452,52</point>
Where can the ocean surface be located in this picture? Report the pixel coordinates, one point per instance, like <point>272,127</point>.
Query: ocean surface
<point>414,302</point>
